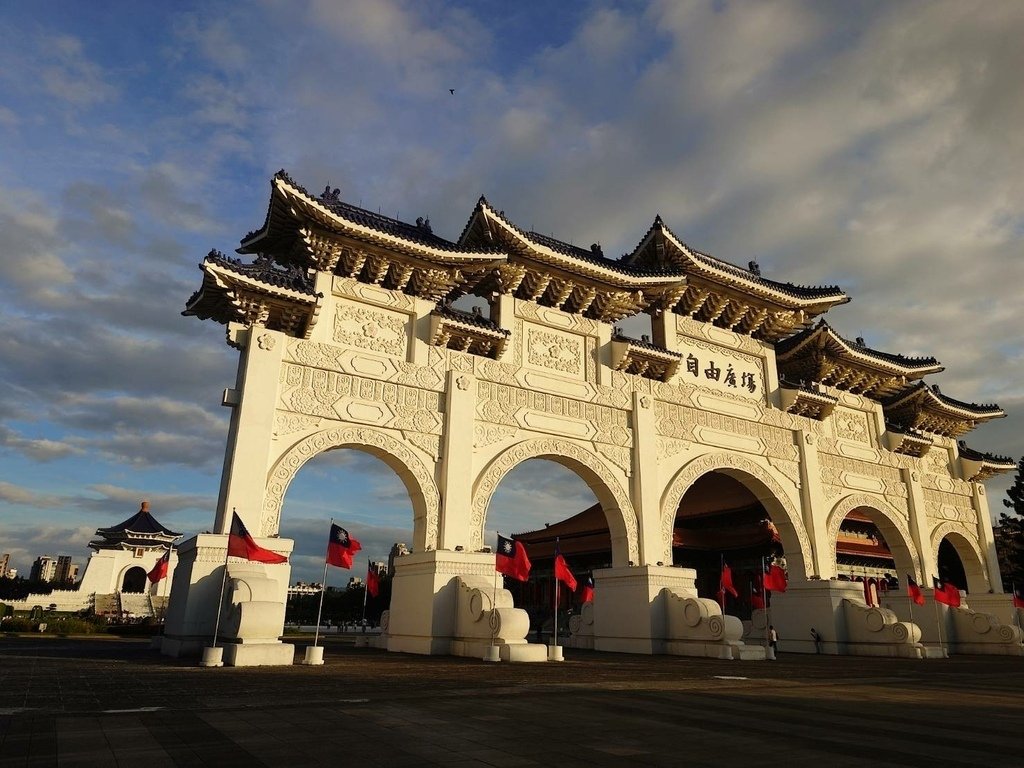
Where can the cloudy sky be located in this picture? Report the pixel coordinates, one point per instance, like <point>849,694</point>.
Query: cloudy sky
<point>873,145</point>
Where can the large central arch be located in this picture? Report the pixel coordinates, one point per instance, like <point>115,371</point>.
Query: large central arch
<point>418,481</point>
<point>619,512</point>
<point>757,479</point>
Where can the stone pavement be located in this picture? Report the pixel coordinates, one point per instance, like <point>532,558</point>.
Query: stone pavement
<point>109,702</point>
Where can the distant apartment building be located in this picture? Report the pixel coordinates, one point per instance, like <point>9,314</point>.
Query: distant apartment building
<point>5,561</point>
<point>63,571</point>
<point>43,569</point>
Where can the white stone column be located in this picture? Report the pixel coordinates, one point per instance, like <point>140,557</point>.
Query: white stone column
<point>919,527</point>
<point>251,432</point>
<point>985,537</point>
<point>645,486</point>
<point>815,508</point>
<point>456,481</point>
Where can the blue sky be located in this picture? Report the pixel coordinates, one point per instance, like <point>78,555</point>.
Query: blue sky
<point>872,145</point>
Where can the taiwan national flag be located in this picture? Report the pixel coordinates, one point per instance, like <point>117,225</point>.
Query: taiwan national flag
<point>726,583</point>
<point>775,579</point>
<point>160,569</point>
<point>756,597</point>
<point>511,559</point>
<point>241,544</point>
<point>1018,597</point>
<point>562,572</point>
<point>341,547</point>
<point>588,590</point>
<point>946,593</point>
<point>914,591</point>
<point>372,579</point>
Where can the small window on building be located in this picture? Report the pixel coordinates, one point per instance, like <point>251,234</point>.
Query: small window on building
<point>139,552</point>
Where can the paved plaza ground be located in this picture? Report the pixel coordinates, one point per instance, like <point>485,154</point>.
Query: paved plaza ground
<point>110,702</point>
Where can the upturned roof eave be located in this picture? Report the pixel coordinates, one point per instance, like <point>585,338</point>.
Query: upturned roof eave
<point>290,193</point>
<point>881,361</point>
<point>622,278</point>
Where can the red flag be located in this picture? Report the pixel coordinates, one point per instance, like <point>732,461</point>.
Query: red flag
<point>775,579</point>
<point>511,559</point>
<point>588,590</point>
<point>241,544</point>
<point>341,547</point>
<point>562,572</point>
<point>372,580</point>
<point>1018,597</point>
<point>756,598</point>
<point>160,569</point>
<point>946,593</point>
<point>726,584</point>
<point>914,591</point>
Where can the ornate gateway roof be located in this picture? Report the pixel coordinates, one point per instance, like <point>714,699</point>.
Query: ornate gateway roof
<point>728,296</point>
<point>820,354</point>
<point>926,408</point>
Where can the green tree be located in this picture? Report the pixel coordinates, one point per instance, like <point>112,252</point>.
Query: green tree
<point>1010,534</point>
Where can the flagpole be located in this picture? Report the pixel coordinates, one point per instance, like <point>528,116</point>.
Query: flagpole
<point>323,588</point>
<point>163,614</point>
<point>910,601</point>
<point>721,582</point>
<point>938,623</point>
<point>492,650</point>
<point>554,572</point>
<point>223,583</point>
<point>366,590</point>
<point>1017,611</point>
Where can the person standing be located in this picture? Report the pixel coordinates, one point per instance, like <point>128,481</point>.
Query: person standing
<point>773,640</point>
<point>817,640</point>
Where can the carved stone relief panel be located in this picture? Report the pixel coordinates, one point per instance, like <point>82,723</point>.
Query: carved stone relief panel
<point>373,294</point>
<point>851,424</point>
<point>380,330</point>
<point>517,407</point>
<point>555,351</point>
<point>341,396</point>
<point>844,472</point>
<point>720,337</point>
<point>556,318</point>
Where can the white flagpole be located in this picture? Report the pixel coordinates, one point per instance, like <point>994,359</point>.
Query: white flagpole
<point>492,651</point>
<point>163,613</point>
<point>910,601</point>
<point>938,623</point>
<point>554,643</point>
<point>223,582</point>
<point>323,587</point>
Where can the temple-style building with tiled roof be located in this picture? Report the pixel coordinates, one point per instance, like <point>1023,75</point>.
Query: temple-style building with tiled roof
<point>741,423</point>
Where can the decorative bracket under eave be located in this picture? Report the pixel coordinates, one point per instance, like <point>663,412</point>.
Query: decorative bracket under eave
<point>801,401</point>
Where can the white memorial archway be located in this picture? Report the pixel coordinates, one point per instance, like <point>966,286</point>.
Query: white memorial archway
<point>348,338</point>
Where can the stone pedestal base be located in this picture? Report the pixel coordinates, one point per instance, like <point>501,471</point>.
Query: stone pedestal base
<point>423,599</point>
<point>212,657</point>
<point>629,606</point>
<point>192,611</point>
<point>259,654</point>
<point>836,610</point>
<point>314,656</point>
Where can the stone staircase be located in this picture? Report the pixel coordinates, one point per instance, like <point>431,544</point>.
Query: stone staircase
<point>136,603</point>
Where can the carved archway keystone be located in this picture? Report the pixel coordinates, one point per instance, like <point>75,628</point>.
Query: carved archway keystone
<point>418,480</point>
<point>618,509</point>
<point>743,469</point>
